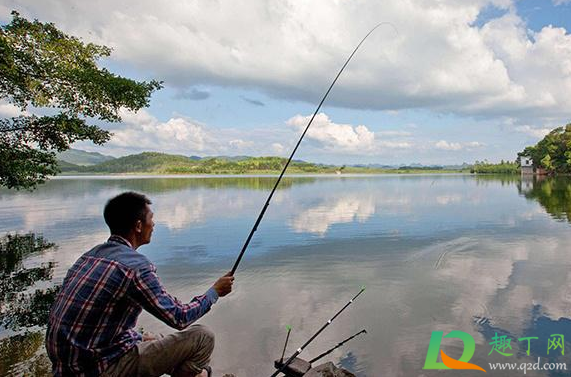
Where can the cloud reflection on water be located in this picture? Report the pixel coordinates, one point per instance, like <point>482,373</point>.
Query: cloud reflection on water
<point>347,209</point>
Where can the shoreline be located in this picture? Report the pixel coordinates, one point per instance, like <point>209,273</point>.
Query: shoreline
<point>268,175</point>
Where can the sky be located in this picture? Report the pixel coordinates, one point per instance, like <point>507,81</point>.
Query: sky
<point>440,82</point>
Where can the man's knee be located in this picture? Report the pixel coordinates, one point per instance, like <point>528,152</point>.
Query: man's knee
<point>200,334</point>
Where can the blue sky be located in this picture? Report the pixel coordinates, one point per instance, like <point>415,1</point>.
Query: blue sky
<point>448,82</point>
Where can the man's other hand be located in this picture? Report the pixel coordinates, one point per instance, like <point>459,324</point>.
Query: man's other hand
<point>223,286</point>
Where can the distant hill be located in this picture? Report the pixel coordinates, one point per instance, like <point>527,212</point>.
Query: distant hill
<point>374,166</point>
<point>147,162</point>
<point>83,158</point>
<point>162,163</point>
<point>231,158</point>
<point>66,166</point>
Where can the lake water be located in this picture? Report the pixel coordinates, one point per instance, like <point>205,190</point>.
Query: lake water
<point>483,255</point>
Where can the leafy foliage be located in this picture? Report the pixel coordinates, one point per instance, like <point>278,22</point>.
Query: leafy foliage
<point>504,167</point>
<point>553,152</point>
<point>41,67</point>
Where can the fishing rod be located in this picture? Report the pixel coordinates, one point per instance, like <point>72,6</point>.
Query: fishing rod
<point>300,349</point>
<point>265,207</point>
<point>300,367</point>
<point>337,346</point>
<point>285,345</point>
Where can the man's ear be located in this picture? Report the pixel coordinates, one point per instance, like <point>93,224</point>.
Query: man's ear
<point>139,226</point>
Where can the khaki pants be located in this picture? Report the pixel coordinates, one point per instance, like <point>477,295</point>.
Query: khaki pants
<point>184,353</point>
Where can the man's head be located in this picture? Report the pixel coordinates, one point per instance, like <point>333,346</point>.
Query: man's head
<point>129,215</point>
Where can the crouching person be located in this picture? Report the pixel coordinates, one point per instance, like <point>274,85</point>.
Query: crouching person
<point>91,326</point>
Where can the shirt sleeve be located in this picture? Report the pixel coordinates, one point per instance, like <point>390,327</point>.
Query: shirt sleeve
<point>148,291</point>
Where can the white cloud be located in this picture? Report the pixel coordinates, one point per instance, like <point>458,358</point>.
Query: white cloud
<point>7,110</point>
<point>473,144</point>
<point>239,143</point>
<point>444,145</point>
<point>452,146</point>
<point>143,131</point>
<point>538,62</point>
<point>450,66</point>
<point>395,144</point>
<point>393,133</point>
<point>333,135</point>
<point>560,2</point>
<point>278,148</point>
<point>532,131</point>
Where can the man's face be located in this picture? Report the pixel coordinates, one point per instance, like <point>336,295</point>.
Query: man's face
<point>147,226</point>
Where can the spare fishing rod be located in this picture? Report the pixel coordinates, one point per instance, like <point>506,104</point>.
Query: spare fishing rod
<point>265,207</point>
<point>285,345</point>
<point>300,349</point>
<point>337,346</point>
<point>299,367</point>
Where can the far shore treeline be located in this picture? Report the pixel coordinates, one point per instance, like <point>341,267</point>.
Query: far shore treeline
<point>162,163</point>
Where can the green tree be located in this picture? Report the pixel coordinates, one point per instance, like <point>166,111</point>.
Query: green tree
<point>50,73</point>
<point>553,152</point>
<point>546,162</point>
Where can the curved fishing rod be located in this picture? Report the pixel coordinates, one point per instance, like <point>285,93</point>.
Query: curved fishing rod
<point>261,215</point>
<point>300,349</point>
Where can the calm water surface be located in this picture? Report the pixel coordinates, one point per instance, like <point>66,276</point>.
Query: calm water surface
<point>437,253</point>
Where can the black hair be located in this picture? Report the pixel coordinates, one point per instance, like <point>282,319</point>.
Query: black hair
<point>122,212</point>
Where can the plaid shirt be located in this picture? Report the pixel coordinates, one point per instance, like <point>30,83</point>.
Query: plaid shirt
<point>91,323</point>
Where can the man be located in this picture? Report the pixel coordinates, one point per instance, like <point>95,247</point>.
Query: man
<point>91,324</point>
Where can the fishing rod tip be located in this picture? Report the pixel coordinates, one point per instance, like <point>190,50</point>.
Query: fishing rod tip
<point>362,287</point>
<point>288,327</point>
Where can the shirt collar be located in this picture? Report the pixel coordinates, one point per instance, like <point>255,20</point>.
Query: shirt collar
<point>119,239</point>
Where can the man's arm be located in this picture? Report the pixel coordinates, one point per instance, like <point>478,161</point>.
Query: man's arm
<point>151,295</point>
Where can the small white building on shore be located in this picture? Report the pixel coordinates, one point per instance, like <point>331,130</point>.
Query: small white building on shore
<point>526,166</point>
